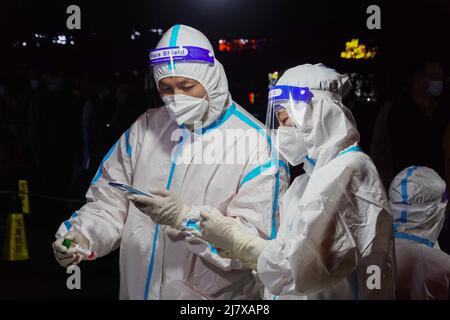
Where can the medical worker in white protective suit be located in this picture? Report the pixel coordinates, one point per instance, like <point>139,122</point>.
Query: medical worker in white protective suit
<point>418,201</point>
<point>159,257</point>
<point>335,239</point>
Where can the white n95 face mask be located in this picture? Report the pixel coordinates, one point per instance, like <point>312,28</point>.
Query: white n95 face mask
<point>291,145</point>
<point>185,109</point>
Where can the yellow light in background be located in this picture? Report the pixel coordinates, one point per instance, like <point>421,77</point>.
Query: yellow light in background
<point>356,50</point>
<point>273,78</point>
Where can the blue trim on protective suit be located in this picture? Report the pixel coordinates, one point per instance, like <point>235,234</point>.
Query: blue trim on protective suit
<point>174,35</point>
<point>351,149</point>
<point>173,42</point>
<point>98,175</point>
<point>155,237</point>
<point>252,124</point>
<point>310,160</point>
<point>355,148</point>
<point>129,149</point>
<point>230,111</point>
<point>127,142</point>
<point>260,169</point>
<point>152,261</point>
<point>273,233</point>
<point>404,185</point>
<point>407,236</point>
<point>68,225</point>
<point>256,172</point>
<point>175,159</point>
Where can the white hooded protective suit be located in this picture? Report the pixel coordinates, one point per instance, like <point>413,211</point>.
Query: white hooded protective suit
<point>418,202</point>
<point>158,262</point>
<point>335,228</point>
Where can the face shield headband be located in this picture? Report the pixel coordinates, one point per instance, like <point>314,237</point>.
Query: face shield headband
<point>170,55</point>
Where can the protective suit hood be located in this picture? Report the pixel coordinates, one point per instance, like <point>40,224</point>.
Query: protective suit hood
<point>327,125</point>
<point>211,76</point>
<point>418,200</point>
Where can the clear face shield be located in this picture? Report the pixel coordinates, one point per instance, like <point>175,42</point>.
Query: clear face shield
<point>285,112</point>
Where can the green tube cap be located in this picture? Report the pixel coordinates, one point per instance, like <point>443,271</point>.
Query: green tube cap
<point>67,243</point>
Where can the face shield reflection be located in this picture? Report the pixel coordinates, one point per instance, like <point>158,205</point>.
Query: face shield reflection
<point>285,112</point>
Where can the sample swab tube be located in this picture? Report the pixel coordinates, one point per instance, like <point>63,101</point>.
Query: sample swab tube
<point>85,252</point>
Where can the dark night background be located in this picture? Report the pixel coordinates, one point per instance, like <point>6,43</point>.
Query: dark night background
<point>289,33</point>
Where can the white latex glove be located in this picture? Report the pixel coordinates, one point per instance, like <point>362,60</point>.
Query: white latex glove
<point>69,256</point>
<point>226,235</point>
<point>163,208</point>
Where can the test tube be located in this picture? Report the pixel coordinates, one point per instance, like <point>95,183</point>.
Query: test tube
<point>85,252</point>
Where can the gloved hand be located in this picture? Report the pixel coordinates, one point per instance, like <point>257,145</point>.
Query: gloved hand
<point>69,256</point>
<point>226,235</point>
<point>163,208</point>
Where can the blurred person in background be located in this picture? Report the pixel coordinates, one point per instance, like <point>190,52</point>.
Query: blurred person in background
<point>415,135</point>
